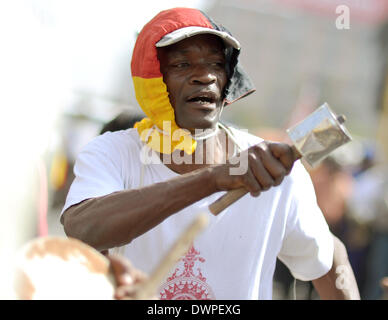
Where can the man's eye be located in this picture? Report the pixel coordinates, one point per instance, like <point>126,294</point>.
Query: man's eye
<point>219,64</point>
<point>181,65</point>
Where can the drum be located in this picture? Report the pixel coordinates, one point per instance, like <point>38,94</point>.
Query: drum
<point>62,268</point>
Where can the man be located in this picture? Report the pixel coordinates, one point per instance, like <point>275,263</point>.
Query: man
<point>185,70</point>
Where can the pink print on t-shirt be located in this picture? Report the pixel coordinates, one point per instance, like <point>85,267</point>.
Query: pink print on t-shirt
<point>187,285</point>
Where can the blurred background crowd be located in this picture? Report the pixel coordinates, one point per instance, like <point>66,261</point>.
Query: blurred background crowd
<point>66,78</point>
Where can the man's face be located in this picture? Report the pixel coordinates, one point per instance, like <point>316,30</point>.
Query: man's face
<point>194,72</point>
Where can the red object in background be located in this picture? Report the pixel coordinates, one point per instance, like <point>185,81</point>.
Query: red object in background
<point>42,202</point>
<point>371,11</point>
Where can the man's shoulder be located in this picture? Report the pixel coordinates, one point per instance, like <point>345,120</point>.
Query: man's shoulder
<point>113,144</point>
<point>121,138</point>
<point>243,137</point>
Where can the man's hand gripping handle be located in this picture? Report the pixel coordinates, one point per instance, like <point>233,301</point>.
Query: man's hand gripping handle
<point>232,196</point>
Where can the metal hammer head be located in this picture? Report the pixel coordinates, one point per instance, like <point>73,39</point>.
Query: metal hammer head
<point>319,134</point>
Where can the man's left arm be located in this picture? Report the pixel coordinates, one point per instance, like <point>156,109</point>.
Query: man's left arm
<point>339,283</point>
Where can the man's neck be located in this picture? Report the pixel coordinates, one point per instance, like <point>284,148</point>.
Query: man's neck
<point>216,149</point>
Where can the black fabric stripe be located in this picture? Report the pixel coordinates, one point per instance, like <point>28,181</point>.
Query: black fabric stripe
<point>215,25</point>
<point>239,84</point>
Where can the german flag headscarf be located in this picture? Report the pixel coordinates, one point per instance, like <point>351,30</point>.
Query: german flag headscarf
<point>165,28</point>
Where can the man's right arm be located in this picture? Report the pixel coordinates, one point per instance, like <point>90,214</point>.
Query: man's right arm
<point>118,218</point>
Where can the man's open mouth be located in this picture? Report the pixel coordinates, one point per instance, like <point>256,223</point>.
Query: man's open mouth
<point>203,98</point>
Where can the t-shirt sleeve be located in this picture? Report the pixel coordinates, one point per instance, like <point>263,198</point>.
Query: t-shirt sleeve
<point>308,247</point>
<point>97,172</point>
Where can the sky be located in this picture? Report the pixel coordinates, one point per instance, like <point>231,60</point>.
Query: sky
<point>99,36</point>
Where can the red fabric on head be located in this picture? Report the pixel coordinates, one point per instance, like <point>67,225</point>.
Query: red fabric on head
<point>145,63</point>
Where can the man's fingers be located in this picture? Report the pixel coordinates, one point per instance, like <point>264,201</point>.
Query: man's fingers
<point>262,176</point>
<point>251,184</point>
<point>273,166</point>
<point>268,164</point>
<point>122,270</point>
<point>283,152</point>
<point>126,292</point>
<point>127,277</point>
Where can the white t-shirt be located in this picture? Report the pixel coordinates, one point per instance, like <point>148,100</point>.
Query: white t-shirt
<point>235,257</point>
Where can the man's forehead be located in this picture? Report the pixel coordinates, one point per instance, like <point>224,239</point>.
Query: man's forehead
<point>210,42</point>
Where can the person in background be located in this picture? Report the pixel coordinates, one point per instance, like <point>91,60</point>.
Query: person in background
<point>369,205</point>
<point>334,183</point>
<point>124,120</point>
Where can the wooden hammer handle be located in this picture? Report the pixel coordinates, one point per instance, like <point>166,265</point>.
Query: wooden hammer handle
<point>233,195</point>
<point>226,200</point>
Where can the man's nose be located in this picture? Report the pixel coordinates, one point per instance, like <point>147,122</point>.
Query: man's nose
<point>202,74</point>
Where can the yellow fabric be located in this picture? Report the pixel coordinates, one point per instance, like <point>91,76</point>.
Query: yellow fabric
<point>153,98</point>
<point>58,170</point>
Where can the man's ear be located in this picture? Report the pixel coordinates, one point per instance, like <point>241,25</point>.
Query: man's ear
<point>160,53</point>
